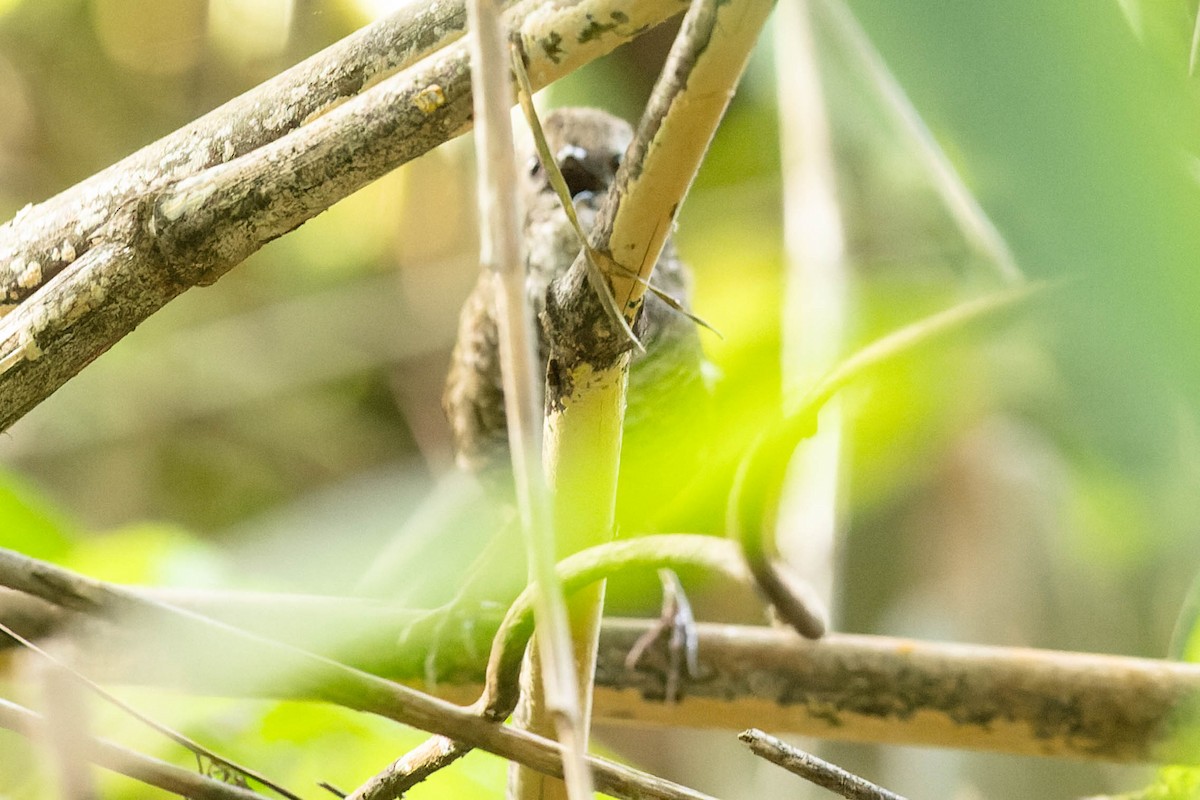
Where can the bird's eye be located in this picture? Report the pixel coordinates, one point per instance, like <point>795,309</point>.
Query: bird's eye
<point>615,162</point>
<point>534,167</point>
<point>578,177</point>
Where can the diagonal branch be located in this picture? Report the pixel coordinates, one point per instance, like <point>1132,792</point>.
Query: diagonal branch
<point>43,240</point>
<point>135,765</point>
<point>145,247</point>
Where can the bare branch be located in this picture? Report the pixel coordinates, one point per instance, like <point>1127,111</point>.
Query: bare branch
<point>148,246</point>
<point>811,768</point>
<point>688,102</point>
<point>417,765</point>
<point>522,378</point>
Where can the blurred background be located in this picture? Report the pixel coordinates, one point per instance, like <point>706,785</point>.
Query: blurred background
<point>1037,485</point>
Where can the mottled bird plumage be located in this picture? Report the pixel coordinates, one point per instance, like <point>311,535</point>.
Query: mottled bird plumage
<point>588,146</point>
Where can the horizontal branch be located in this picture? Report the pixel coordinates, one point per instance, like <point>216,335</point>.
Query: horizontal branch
<point>855,688</point>
<point>906,692</point>
<point>146,246</point>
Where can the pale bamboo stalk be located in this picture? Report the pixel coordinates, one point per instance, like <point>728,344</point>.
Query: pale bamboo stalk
<point>814,318</point>
<point>523,381</point>
<point>587,381</point>
<point>582,455</point>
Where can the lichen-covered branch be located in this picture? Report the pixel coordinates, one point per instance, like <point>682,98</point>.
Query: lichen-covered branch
<point>141,242</point>
<point>688,101</point>
<point>907,692</point>
<point>856,688</point>
<point>45,239</point>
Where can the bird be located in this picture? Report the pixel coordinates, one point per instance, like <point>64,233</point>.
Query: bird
<point>668,390</point>
<point>588,146</point>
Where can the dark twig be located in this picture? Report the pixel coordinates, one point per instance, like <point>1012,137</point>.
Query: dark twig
<point>432,755</point>
<point>200,751</point>
<point>811,768</point>
<point>140,767</point>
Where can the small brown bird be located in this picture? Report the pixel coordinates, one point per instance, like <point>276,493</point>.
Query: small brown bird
<point>588,146</point>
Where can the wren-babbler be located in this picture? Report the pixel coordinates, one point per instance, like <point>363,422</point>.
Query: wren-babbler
<point>588,146</point>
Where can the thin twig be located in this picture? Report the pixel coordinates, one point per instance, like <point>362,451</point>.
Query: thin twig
<point>522,379</point>
<point>150,771</point>
<point>299,674</point>
<point>199,750</point>
<point>811,768</point>
<point>417,765</point>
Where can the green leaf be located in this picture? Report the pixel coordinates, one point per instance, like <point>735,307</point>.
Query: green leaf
<point>29,522</point>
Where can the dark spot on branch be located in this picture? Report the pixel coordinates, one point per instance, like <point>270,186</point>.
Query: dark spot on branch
<point>552,47</point>
<point>594,30</point>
